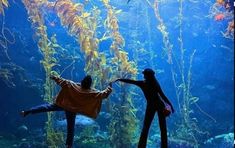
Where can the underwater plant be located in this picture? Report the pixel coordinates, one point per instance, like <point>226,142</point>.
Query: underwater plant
<point>3,3</point>
<point>6,76</point>
<point>187,128</point>
<point>8,72</point>
<point>111,23</point>
<point>79,24</point>
<point>82,25</point>
<point>4,30</point>
<point>162,28</point>
<point>46,46</point>
<point>123,126</point>
<point>123,111</point>
<point>4,41</point>
<point>229,33</point>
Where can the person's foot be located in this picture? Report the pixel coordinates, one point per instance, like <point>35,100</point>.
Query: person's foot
<point>24,113</point>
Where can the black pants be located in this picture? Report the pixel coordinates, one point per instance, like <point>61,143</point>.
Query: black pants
<point>70,118</point>
<point>149,115</point>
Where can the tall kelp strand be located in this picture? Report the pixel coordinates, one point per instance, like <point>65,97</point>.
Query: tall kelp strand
<point>7,37</point>
<point>188,128</point>
<point>78,22</point>
<point>82,25</point>
<point>3,4</point>
<point>162,28</point>
<point>123,115</point>
<point>46,46</point>
<point>111,23</point>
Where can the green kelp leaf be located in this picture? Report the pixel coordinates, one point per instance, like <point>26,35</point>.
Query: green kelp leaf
<point>48,65</point>
<point>181,85</point>
<point>54,73</point>
<point>53,59</point>
<point>55,45</point>
<point>5,3</point>
<point>193,100</point>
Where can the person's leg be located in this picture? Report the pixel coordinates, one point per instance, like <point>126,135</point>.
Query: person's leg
<point>70,117</point>
<point>149,115</point>
<point>163,129</point>
<point>41,108</point>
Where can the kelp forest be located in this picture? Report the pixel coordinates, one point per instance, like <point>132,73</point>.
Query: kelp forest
<point>189,44</point>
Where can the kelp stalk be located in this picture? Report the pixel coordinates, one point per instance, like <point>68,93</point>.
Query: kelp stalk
<point>46,46</point>
<point>123,115</point>
<point>162,28</point>
<point>3,3</point>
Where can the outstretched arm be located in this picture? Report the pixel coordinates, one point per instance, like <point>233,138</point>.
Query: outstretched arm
<point>106,92</point>
<point>59,81</point>
<point>138,83</point>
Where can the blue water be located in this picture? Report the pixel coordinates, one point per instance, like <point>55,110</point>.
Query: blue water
<point>208,58</point>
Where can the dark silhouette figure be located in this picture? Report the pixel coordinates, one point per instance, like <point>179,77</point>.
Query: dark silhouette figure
<point>74,98</point>
<point>153,94</point>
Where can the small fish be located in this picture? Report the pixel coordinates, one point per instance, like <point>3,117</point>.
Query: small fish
<point>194,1</point>
<point>198,17</point>
<point>80,120</point>
<point>32,59</point>
<point>22,128</point>
<point>210,87</point>
<point>213,45</point>
<point>195,34</point>
<point>128,1</point>
<point>225,47</point>
<point>219,17</point>
<point>118,11</point>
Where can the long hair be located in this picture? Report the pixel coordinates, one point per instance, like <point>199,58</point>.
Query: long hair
<point>86,82</point>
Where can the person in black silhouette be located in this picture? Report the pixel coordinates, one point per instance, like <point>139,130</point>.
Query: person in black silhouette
<point>153,94</point>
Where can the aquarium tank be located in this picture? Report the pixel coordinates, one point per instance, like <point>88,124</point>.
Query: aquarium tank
<point>188,43</point>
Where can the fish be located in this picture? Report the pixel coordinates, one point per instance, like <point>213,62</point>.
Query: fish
<point>128,1</point>
<point>219,17</point>
<point>80,120</point>
<point>210,87</point>
<point>225,47</point>
<point>213,45</point>
<point>32,59</point>
<point>194,1</point>
<point>22,128</point>
<point>195,34</point>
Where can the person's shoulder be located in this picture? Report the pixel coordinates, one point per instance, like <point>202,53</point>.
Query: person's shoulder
<point>79,84</point>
